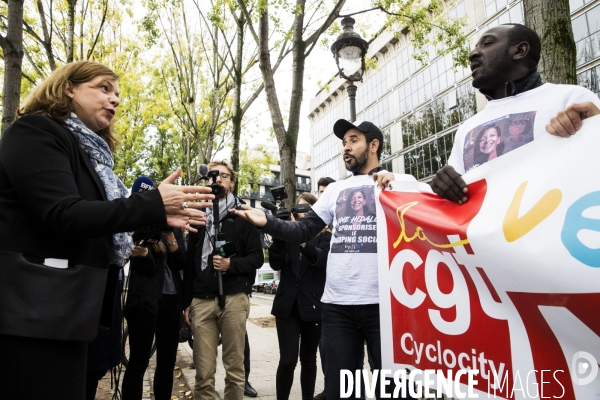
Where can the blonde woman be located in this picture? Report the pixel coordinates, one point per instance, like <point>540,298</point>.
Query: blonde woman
<point>62,217</point>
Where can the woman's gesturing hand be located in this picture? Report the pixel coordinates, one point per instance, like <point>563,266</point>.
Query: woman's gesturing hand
<point>181,202</point>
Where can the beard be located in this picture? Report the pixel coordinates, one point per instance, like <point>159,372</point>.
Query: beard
<point>357,162</point>
<point>493,72</point>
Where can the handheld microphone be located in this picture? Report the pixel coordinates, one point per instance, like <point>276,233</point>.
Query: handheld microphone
<point>142,185</point>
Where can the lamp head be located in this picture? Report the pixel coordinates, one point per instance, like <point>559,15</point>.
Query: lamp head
<point>349,51</point>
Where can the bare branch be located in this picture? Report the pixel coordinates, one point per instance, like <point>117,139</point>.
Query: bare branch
<point>251,99</point>
<point>33,64</point>
<point>407,16</point>
<point>32,33</point>
<point>249,20</point>
<point>312,39</point>
<point>24,75</point>
<point>47,43</point>
<point>99,32</point>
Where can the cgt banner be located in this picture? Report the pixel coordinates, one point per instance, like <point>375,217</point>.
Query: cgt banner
<point>507,284</point>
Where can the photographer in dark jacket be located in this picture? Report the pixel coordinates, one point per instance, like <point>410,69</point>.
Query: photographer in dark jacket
<point>153,308</point>
<point>297,306</point>
<point>201,292</point>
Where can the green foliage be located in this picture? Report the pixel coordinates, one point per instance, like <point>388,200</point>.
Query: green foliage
<point>431,32</point>
<point>150,145</point>
<point>371,63</point>
<point>330,36</point>
<point>325,85</point>
<point>254,165</point>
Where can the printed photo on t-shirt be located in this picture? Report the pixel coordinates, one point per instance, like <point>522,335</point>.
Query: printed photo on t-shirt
<point>497,137</point>
<point>356,229</point>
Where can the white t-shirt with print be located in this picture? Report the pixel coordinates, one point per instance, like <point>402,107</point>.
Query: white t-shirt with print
<point>506,124</point>
<point>352,273</point>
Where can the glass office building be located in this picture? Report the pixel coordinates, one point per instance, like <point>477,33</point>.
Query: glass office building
<point>419,107</point>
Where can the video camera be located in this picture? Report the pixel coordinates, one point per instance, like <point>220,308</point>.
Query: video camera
<point>279,193</point>
<point>216,189</point>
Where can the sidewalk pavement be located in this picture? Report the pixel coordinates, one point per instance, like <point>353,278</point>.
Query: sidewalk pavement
<point>264,356</point>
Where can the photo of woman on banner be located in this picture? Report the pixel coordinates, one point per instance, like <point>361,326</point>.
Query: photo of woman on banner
<point>488,144</point>
<point>357,221</point>
<point>358,203</point>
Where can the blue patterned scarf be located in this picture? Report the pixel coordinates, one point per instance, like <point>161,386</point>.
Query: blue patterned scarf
<point>101,156</point>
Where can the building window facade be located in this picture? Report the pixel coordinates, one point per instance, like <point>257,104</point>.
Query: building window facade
<point>586,31</point>
<point>420,112</point>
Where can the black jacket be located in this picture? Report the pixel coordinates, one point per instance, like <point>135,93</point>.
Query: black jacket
<point>530,81</point>
<point>242,273</point>
<point>53,204</point>
<point>303,272</point>
<point>147,276</point>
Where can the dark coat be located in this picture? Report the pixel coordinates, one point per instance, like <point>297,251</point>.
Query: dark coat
<point>248,258</point>
<point>104,353</point>
<point>147,275</point>
<point>53,204</point>
<point>303,272</point>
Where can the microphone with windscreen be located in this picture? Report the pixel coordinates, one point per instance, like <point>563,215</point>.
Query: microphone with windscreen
<point>142,185</point>
<point>277,212</point>
<point>202,171</point>
<point>149,235</point>
<point>268,205</point>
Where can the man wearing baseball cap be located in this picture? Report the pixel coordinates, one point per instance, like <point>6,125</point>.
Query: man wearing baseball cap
<point>351,297</point>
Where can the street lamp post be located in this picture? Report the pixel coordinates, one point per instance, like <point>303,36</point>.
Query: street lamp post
<point>349,51</point>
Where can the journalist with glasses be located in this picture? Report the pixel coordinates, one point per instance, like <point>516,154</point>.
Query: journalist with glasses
<point>237,257</point>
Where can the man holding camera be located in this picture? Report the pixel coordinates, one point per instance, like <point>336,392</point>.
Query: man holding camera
<point>351,298</point>
<point>240,255</point>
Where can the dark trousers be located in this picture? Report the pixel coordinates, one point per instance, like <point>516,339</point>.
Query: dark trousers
<point>91,383</point>
<point>143,327</point>
<point>345,330</point>
<point>247,358</point>
<point>295,337</point>
<point>33,369</point>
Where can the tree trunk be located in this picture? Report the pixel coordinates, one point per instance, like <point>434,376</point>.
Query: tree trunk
<point>236,120</point>
<point>551,19</point>
<point>286,149</point>
<point>187,79</point>
<point>215,103</point>
<point>12,47</point>
<point>71,34</point>
<point>47,35</point>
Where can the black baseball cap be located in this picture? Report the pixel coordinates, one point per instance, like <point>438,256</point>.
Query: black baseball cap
<point>342,126</point>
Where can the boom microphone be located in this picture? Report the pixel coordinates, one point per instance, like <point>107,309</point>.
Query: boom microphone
<point>142,185</point>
